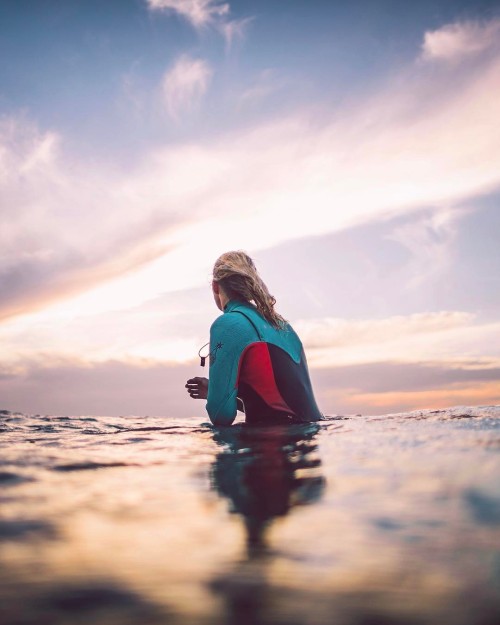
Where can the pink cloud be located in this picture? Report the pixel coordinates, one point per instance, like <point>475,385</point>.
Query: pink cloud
<point>70,226</point>
<point>184,84</point>
<point>205,14</point>
<point>460,40</point>
<point>444,336</point>
<point>73,387</point>
<point>198,12</point>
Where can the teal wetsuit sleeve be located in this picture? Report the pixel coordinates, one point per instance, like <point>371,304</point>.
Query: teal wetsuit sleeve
<point>229,335</point>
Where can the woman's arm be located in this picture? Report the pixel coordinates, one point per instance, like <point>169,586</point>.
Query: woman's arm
<point>229,335</point>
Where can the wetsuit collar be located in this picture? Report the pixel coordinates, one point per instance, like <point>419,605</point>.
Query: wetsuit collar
<point>234,303</point>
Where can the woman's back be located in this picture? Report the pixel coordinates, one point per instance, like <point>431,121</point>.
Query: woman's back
<point>257,362</point>
<point>263,365</point>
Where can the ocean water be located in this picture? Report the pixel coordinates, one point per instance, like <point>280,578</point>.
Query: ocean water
<point>357,520</point>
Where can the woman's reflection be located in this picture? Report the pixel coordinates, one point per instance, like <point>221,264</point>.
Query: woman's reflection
<point>264,472</point>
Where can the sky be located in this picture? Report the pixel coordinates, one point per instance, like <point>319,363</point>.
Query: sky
<point>352,149</point>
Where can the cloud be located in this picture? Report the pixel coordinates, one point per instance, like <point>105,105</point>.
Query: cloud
<point>101,240</point>
<point>366,271</point>
<point>485,393</point>
<point>184,84</point>
<point>135,97</point>
<point>342,332</point>
<point>70,386</point>
<point>388,155</point>
<point>460,40</point>
<point>429,240</point>
<point>24,151</point>
<point>66,228</point>
<point>286,179</point>
<point>199,12</point>
<point>379,388</point>
<point>399,377</point>
<point>169,329</point>
<point>267,83</point>
<point>204,14</point>
<point>234,29</point>
<point>423,337</point>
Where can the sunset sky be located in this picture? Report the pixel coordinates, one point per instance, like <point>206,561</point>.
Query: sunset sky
<point>351,148</point>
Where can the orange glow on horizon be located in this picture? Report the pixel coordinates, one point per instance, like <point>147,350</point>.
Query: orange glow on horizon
<point>482,393</point>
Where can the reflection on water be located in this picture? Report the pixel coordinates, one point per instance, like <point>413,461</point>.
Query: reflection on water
<point>164,521</point>
<point>264,472</point>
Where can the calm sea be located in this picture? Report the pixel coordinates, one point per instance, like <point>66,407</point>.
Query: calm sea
<point>357,520</point>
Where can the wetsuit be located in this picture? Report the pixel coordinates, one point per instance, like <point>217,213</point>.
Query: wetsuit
<point>263,366</point>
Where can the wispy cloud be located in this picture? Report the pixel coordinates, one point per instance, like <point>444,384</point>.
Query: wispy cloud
<point>451,337</point>
<point>384,155</point>
<point>266,83</point>
<point>461,40</point>
<point>205,14</point>
<point>331,332</point>
<point>169,329</point>
<point>430,241</point>
<point>82,241</point>
<point>65,228</point>
<point>199,13</point>
<point>234,30</point>
<point>133,91</point>
<point>184,84</point>
<point>24,151</point>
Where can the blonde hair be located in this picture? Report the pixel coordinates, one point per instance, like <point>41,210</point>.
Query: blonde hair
<point>237,275</point>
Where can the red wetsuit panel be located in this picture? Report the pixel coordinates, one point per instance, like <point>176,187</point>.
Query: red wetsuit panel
<point>256,370</point>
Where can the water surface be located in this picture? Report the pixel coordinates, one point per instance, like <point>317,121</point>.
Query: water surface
<point>155,520</point>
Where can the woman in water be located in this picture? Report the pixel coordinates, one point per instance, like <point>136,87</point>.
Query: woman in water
<point>257,362</point>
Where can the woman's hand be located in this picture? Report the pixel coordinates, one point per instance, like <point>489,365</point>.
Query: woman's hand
<point>197,388</point>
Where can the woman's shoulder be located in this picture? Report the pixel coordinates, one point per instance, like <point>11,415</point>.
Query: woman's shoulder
<point>229,321</point>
